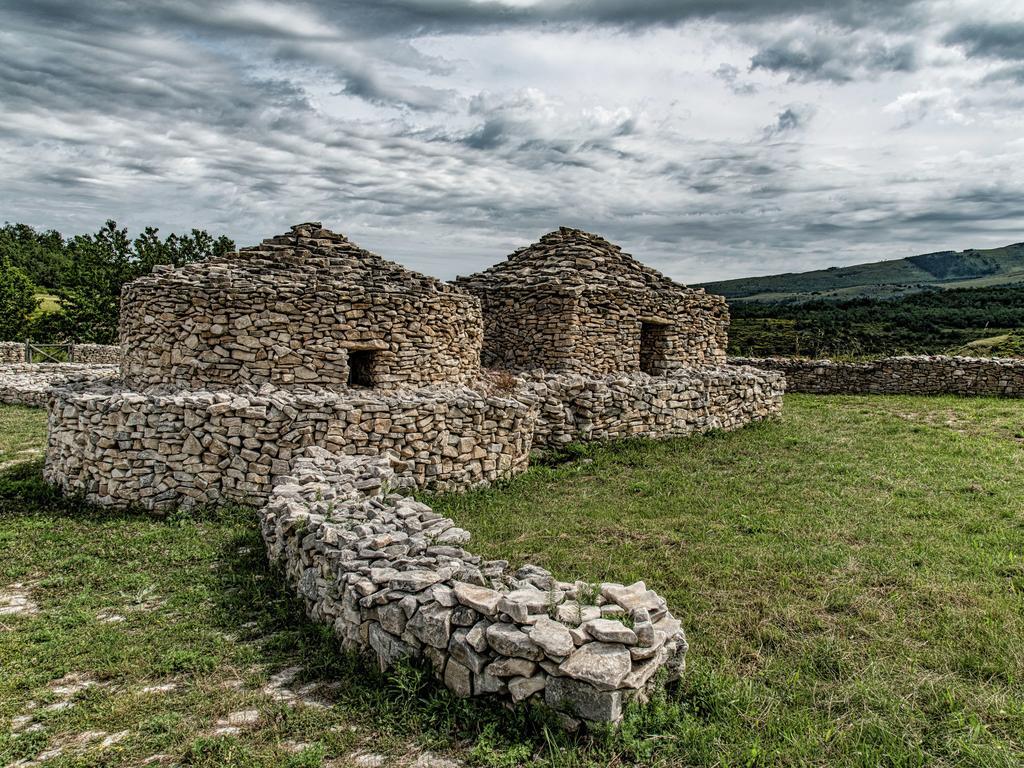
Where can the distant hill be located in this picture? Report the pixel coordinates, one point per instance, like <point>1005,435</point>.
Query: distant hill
<point>881,279</point>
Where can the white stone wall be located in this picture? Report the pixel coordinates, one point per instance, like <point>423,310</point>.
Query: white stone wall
<point>122,447</point>
<point>12,352</point>
<point>390,575</point>
<point>29,383</point>
<point>103,354</point>
<point>908,375</point>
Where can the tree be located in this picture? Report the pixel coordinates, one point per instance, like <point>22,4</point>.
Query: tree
<point>40,255</point>
<point>88,272</point>
<point>90,286</point>
<point>17,302</point>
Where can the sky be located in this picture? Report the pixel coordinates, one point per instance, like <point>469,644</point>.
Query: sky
<point>710,138</point>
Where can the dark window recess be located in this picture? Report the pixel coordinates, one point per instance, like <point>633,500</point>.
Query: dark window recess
<point>361,365</point>
<point>653,347</point>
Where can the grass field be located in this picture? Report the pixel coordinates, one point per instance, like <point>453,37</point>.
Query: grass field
<point>851,577</point>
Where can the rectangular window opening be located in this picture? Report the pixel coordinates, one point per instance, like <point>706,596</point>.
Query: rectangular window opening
<point>653,347</point>
<point>361,366</point>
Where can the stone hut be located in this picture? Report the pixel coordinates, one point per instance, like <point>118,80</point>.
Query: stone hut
<point>575,302</point>
<point>304,309</point>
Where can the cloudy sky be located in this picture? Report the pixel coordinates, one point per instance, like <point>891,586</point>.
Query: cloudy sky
<point>711,138</point>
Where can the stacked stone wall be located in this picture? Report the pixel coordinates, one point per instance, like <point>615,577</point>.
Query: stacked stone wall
<point>908,375</point>
<point>30,383</point>
<point>294,312</point>
<point>12,352</point>
<point>161,449</point>
<point>96,354</point>
<point>574,408</point>
<point>391,576</point>
<point>122,447</point>
<point>90,354</point>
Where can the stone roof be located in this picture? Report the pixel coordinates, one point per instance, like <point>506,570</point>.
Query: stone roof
<point>571,260</point>
<point>313,249</point>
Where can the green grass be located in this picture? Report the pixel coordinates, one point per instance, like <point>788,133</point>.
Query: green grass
<point>47,303</point>
<point>22,433</point>
<point>850,576</point>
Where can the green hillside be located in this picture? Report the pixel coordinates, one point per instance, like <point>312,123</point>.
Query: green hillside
<point>946,269</point>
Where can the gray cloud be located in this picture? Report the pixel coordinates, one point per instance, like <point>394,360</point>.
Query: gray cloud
<point>990,39</point>
<point>839,58</point>
<point>729,74</point>
<point>444,133</point>
<point>793,118</point>
<point>1013,74</point>
<point>390,18</point>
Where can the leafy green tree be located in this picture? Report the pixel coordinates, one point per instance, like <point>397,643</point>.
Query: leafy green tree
<point>17,302</point>
<point>90,285</point>
<point>98,266</point>
<point>40,255</point>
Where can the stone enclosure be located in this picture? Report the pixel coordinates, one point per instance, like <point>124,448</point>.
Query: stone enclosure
<point>311,379</point>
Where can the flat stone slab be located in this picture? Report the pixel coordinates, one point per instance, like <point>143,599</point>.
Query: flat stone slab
<point>553,637</point>
<point>610,631</point>
<point>634,596</point>
<point>603,665</point>
<point>509,640</point>
<point>478,598</point>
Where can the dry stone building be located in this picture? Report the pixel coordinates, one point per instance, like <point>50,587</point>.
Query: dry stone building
<point>311,379</point>
<point>575,302</point>
<point>304,309</point>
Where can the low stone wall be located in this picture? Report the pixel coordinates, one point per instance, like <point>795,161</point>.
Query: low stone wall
<point>909,375</point>
<point>390,575</point>
<point>575,408</point>
<point>30,383</point>
<point>122,447</point>
<point>89,354</point>
<point>106,354</point>
<point>12,352</point>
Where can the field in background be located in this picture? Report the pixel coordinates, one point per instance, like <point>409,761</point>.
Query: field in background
<point>850,577</point>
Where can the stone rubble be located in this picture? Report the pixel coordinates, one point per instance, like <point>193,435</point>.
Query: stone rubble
<point>367,561</point>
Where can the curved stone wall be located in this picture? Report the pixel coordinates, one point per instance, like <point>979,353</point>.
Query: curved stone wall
<point>908,375</point>
<point>574,408</point>
<point>123,447</point>
<point>390,575</point>
<point>30,383</point>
